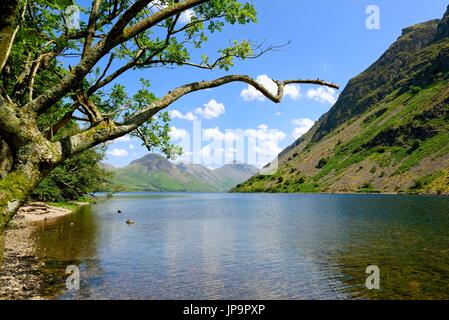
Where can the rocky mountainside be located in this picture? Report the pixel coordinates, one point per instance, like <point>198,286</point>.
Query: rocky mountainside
<point>155,173</point>
<point>388,131</point>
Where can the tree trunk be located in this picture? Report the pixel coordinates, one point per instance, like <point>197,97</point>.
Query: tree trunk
<point>32,163</point>
<point>15,188</point>
<point>8,27</point>
<point>5,159</point>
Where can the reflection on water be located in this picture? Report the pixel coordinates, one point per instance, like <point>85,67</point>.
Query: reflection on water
<point>233,246</point>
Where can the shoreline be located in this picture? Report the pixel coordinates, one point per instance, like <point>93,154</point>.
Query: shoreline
<point>444,194</point>
<point>20,275</point>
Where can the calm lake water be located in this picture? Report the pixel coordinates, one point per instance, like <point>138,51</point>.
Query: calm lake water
<point>252,246</point>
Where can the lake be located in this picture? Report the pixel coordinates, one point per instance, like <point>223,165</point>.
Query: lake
<point>252,246</point>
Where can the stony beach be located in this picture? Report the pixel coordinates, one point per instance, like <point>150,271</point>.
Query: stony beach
<point>20,275</point>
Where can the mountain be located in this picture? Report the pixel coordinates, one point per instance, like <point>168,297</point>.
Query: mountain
<point>388,131</point>
<point>155,173</point>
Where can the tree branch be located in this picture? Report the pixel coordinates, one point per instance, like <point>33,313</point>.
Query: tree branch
<point>159,16</point>
<point>108,130</point>
<point>97,85</point>
<point>92,111</point>
<point>116,36</point>
<point>102,82</point>
<point>9,26</point>
<point>54,129</point>
<point>208,66</point>
<point>140,117</point>
<point>33,73</point>
<point>91,26</point>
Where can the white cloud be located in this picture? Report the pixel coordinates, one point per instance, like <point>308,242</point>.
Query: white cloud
<point>120,153</point>
<point>251,93</point>
<point>302,127</point>
<point>278,114</point>
<point>123,139</point>
<point>265,134</point>
<point>268,149</point>
<point>211,110</point>
<point>216,134</point>
<point>189,116</point>
<point>177,134</point>
<point>186,16</point>
<point>261,133</point>
<point>293,91</point>
<point>257,146</point>
<point>323,95</point>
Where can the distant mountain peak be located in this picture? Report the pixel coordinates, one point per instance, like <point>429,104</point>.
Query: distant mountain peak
<point>150,157</point>
<point>155,172</point>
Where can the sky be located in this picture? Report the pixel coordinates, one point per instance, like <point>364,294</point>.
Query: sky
<point>328,39</point>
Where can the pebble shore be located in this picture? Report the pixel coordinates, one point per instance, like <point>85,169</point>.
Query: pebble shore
<point>20,275</point>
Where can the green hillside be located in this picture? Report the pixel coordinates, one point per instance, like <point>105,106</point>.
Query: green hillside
<point>155,173</point>
<point>388,131</point>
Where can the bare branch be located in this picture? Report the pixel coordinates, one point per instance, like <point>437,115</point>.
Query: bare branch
<point>108,130</point>
<point>140,117</point>
<point>96,86</point>
<point>102,82</point>
<point>34,69</point>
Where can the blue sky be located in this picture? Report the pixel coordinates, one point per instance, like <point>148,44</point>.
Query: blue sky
<point>329,40</point>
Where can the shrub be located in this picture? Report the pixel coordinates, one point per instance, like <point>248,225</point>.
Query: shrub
<point>415,89</point>
<point>367,185</point>
<point>323,162</point>
<point>415,146</point>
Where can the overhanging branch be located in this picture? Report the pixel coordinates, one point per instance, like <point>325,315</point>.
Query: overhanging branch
<point>108,130</point>
<point>141,116</point>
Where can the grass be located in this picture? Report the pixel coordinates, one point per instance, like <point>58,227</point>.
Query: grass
<point>427,148</point>
<point>399,110</point>
<point>73,205</point>
<point>66,205</point>
<point>393,135</point>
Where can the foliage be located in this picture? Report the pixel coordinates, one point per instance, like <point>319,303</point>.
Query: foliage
<point>44,41</point>
<point>322,163</point>
<point>74,178</point>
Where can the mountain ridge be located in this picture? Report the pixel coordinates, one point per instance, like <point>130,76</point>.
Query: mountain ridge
<point>388,131</point>
<point>154,172</point>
